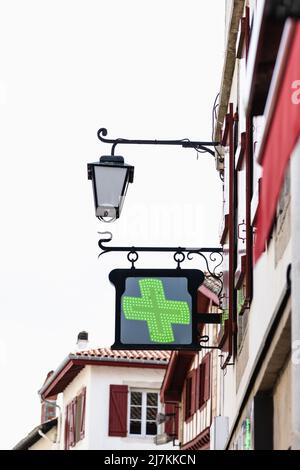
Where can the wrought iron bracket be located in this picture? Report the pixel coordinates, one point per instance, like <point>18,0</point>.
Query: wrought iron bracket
<point>208,255</point>
<point>199,146</point>
<point>205,339</point>
<point>209,318</point>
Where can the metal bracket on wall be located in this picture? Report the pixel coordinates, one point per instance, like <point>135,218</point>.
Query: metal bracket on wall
<point>199,146</point>
<point>204,339</point>
<point>211,257</point>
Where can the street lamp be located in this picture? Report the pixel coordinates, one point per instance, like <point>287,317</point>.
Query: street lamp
<point>110,177</point>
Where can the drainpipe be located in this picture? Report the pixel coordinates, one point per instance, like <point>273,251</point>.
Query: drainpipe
<point>295,234</point>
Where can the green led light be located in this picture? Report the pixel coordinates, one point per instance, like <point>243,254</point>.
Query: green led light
<point>156,310</point>
<point>247,434</point>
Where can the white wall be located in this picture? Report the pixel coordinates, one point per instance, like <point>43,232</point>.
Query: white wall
<point>295,225</point>
<point>97,379</point>
<point>269,280</point>
<point>268,285</point>
<point>101,378</point>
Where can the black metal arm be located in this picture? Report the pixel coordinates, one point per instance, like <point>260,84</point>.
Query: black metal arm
<point>210,255</point>
<point>197,145</point>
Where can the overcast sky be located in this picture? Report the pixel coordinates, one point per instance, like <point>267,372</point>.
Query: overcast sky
<point>147,69</point>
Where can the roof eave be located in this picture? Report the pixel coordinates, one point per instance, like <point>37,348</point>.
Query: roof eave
<point>34,435</point>
<point>80,362</point>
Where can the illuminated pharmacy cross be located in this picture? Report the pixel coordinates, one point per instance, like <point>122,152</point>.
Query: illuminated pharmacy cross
<point>156,310</point>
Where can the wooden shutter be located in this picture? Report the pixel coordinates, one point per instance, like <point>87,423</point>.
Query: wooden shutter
<point>176,420</point>
<point>72,422</point>
<point>187,397</point>
<point>206,388</point>
<point>228,317</point>
<point>194,391</point>
<point>244,36</point>
<point>201,375</point>
<point>118,402</point>
<point>229,188</point>
<point>82,417</point>
<point>249,192</point>
<point>67,427</point>
<point>197,387</point>
<point>171,426</point>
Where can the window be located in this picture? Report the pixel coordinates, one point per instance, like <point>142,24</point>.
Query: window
<point>75,420</point>
<point>48,410</point>
<point>143,408</point>
<point>203,381</point>
<point>190,394</point>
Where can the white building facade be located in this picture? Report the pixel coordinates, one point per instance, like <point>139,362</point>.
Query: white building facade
<point>257,123</point>
<point>250,398</point>
<point>110,399</point>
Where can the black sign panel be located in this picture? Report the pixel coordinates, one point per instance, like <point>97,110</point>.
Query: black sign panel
<point>156,308</point>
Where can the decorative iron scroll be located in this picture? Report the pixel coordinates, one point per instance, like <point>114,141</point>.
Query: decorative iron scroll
<point>212,257</point>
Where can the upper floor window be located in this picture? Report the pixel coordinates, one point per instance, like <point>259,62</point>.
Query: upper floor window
<point>197,388</point>
<point>48,410</point>
<point>188,398</point>
<point>203,381</point>
<point>143,408</point>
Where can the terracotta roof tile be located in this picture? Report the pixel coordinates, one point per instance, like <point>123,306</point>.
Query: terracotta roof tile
<point>212,283</point>
<point>125,354</point>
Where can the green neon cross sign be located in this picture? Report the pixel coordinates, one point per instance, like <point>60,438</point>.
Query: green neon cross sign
<point>159,312</point>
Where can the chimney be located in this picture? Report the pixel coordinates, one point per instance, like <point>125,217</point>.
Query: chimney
<point>48,407</point>
<point>82,340</point>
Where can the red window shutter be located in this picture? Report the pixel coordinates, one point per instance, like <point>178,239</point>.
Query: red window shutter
<point>176,420</point>
<point>244,40</point>
<point>72,422</point>
<point>201,374</point>
<point>67,427</point>
<point>187,397</point>
<point>193,391</point>
<point>82,417</point>
<point>249,235</point>
<point>197,387</point>
<point>232,217</point>
<point>118,398</point>
<point>186,405</point>
<point>171,426</point>
<point>229,189</point>
<point>247,31</point>
<point>206,393</point>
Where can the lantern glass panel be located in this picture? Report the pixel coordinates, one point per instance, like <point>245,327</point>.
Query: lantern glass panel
<point>109,183</point>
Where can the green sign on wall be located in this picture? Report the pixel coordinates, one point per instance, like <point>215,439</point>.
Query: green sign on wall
<point>156,309</point>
